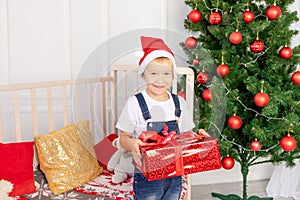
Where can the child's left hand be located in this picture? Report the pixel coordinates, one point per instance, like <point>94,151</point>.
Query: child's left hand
<point>203,132</point>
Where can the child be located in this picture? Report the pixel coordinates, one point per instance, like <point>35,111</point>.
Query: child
<point>150,110</point>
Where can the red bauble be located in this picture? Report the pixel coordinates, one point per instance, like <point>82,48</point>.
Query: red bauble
<point>195,61</point>
<point>255,145</point>
<point>202,77</point>
<point>182,94</point>
<point>235,37</point>
<point>223,70</point>
<point>288,143</point>
<point>206,95</point>
<point>273,12</point>
<point>235,122</point>
<point>215,18</point>
<point>261,99</point>
<point>286,52</point>
<point>191,42</point>
<point>296,78</point>
<point>257,46</point>
<point>195,16</point>
<point>248,16</point>
<point>227,162</point>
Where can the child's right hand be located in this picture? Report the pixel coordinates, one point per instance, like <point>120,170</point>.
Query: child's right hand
<point>135,150</point>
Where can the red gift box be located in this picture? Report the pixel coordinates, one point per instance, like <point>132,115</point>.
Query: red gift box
<point>177,155</point>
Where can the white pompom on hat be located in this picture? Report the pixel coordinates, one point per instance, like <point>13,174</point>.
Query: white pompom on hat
<point>154,48</point>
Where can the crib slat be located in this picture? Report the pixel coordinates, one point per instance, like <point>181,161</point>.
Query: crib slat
<point>50,109</point>
<point>17,115</point>
<point>34,112</point>
<point>91,105</point>
<point>65,105</point>
<point>104,121</point>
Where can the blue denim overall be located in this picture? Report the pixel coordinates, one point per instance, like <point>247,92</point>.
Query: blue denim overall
<point>163,189</point>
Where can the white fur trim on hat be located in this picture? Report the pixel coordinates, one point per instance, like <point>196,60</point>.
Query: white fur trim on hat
<point>156,54</point>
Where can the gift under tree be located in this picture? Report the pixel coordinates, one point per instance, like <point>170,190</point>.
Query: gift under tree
<point>247,87</point>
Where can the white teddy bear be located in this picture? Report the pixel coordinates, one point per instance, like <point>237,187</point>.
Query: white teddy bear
<point>5,188</point>
<point>120,163</point>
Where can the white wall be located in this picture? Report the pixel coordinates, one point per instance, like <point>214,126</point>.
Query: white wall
<point>51,40</point>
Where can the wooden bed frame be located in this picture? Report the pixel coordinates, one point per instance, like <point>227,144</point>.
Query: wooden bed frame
<point>31,109</point>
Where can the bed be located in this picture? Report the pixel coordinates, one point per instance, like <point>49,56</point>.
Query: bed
<point>31,114</point>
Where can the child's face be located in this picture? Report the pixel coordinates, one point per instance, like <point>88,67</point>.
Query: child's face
<point>158,76</point>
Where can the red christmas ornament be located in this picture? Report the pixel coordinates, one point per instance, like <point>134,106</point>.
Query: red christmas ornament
<point>273,12</point>
<point>288,143</point>
<point>248,16</point>
<point>215,18</point>
<point>261,99</point>
<point>257,46</point>
<point>286,52</point>
<point>296,78</point>
<point>191,42</point>
<point>206,95</point>
<point>195,16</point>
<point>182,94</point>
<point>235,37</point>
<point>223,70</point>
<point>195,61</point>
<point>202,77</point>
<point>235,122</point>
<point>255,145</point>
<point>227,162</point>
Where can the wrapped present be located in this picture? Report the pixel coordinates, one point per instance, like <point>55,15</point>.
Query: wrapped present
<point>175,155</point>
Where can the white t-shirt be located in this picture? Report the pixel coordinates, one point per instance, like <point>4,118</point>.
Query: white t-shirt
<point>132,121</point>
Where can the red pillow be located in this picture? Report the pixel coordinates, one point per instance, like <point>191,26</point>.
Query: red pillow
<point>104,149</point>
<point>16,166</point>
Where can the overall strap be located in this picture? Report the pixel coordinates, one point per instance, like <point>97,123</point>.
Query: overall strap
<point>177,105</point>
<point>143,106</point>
<point>145,110</point>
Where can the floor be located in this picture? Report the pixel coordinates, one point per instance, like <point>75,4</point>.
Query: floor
<point>257,188</point>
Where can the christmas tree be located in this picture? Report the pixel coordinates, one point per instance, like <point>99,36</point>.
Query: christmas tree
<point>246,85</point>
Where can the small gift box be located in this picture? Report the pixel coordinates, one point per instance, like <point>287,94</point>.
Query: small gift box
<point>176,155</point>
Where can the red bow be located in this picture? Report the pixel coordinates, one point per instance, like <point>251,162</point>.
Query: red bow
<point>158,139</point>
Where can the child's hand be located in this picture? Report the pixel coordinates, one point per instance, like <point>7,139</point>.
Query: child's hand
<point>135,150</point>
<point>203,132</point>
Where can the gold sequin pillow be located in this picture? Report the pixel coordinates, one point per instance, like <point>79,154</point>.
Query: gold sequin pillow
<point>67,157</point>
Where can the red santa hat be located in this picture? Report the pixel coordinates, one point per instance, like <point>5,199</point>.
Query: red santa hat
<point>154,48</point>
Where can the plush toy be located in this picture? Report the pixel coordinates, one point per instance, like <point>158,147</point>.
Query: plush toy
<point>120,163</point>
<point>5,188</point>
